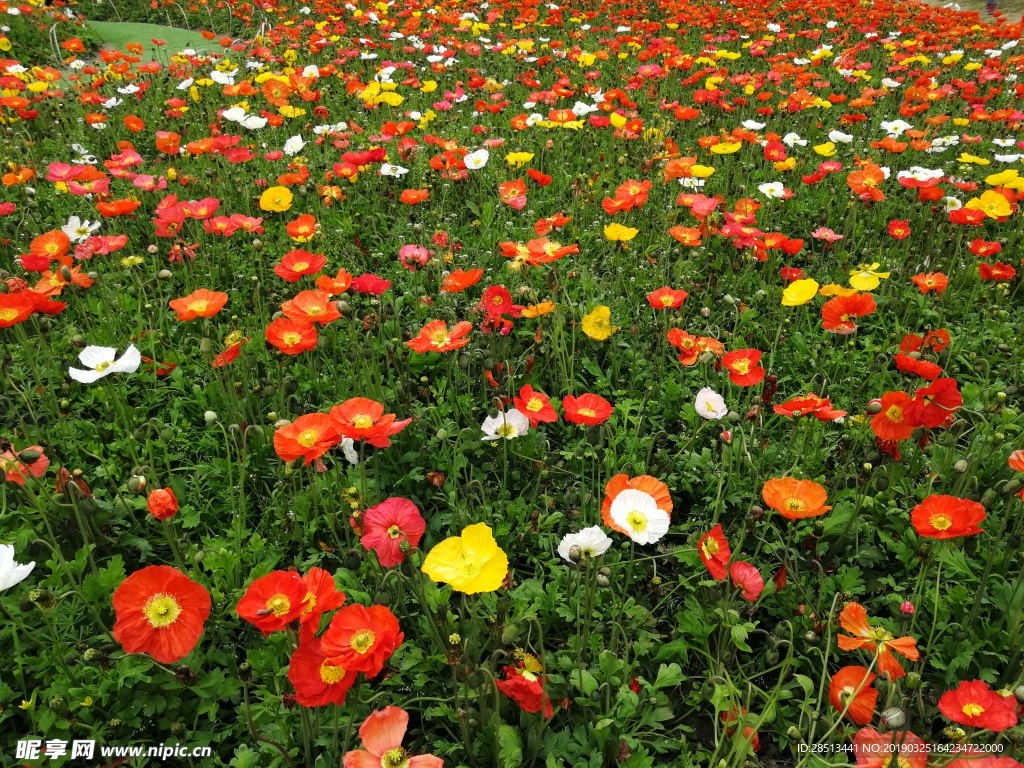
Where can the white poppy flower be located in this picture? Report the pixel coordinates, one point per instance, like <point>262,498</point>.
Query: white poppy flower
<point>102,362</point>
<point>78,230</point>
<point>348,447</point>
<point>474,161</point>
<point>12,573</point>
<point>793,139</point>
<point>952,204</point>
<point>505,426</point>
<point>394,171</point>
<point>772,189</point>
<point>753,125</point>
<point>592,542</point>
<point>710,405</point>
<point>252,122</point>
<point>638,514</point>
<point>839,137</point>
<point>895,127</point>
<point>294,145</point>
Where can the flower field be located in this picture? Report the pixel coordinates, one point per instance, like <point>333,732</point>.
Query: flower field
<point>513,384</point>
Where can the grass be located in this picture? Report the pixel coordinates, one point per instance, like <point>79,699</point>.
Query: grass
<point>119,33</point>
<point>1011,9</point>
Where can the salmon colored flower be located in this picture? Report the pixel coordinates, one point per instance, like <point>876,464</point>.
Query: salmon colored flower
<point>160,611</point>
<point>851,692</point>
<point>435,337</point>
<point>199,303</point>
<point>795,499</point>
<point>311,307</point>
<point>382,734</point>
<point>748,579</point>
<point>713,549</point>
<point>15,469</point>
<point>947,517</point>
<point>389,525</point>
<point>692,347</point>
<point>317,681</point>
<point>360,418</point>
<point>975,704</point>
<point>274,601</point>
<point>854,619</point>
<point>880,750</point>
<point>308,437</point>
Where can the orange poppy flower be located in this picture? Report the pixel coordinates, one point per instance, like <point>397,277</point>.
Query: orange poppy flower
<point>460,280</point>
<point>744,367</point>
<point>274,601</point>
<point>308,437</point>
<point>298,263</point>
<point>302,229</point>
<point>414,196</point>
<point>292,337</point>
<point>837,314</point>
<point>795,499</point>
<point>854,619</point>
<point>199,303</point>
<point>651,486</point>
<point>50,245</point>
<point>317,681</point>
<point>336,285</point>
<point>947,517</point>
<point>865,182</point>
<point>851,691</point>
<point>931,281</point>
<point>15,308</point>
<point>311,307</point>
<point>360,418</point>
<point>435,337</point>
<point>160,611</point>
<point>686,235</point>
<point>1016,461</point>
<point>362,639</point>
<point>892,422</point>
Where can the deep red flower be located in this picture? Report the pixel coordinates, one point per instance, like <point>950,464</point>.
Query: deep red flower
<point>935,404</point>
<point>370,284</point>
<point>713,549</point>
<point>526,689</point>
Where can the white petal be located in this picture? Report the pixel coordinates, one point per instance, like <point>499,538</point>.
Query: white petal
<point>93,356</point>
<point>86,377</point>
<point>129,362</point>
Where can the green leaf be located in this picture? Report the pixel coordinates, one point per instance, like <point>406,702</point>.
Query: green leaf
<point>510,751</point>
<point>669,676</point>
<point>583,680</point>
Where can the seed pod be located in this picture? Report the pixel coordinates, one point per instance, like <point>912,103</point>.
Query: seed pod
<point>601,580</point>
<point>510,634</point>
<point>205,345</point>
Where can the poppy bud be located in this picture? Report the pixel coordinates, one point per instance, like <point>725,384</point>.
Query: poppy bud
<point>875,406</point>
<point>257,245</point>
<point>894,717</point>
<point>706,358</point>
<point>913,681</point>
<point>30,456</point>
<point>245,672</point>
<point>210,416</point>
<point>162,503</point>
<point>58,704</point>
<point>254,434</point>
<point>177,728</point>
<point>961,466</point>
<point>510,634</point>
<point>136,483</point>
<point>1011,486</point>
<point>205,345</point>
<point>601,580</point>
<point>1019,693</point>
<point>989,498</point>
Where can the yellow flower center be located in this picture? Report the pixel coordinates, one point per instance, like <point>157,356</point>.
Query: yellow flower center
<point>588,412</point>
<point>331,673</point>
<point>291,338</point>
<point>199,306</point>
<point>161,610</point>
<point>894,414</point>
<point>972,709</point>
<point>307,438</point>
<point>666,301</point>
<point>637,521</point>
<point>315,310</point>
<point>103,366</point>
<point>362,421</point>
<point>362,641</point>
<point>394,532</point>
<point>794,505</point>
<point>8,314</point>
<point>534,405</point>
<point>299,266</point>
<point>279,605</point>
<point>742,367</point>
<point>941,522</point>
<point>710,548</point>
<point>440,338</point>
<point>506,430</point>
<point>394,758</point>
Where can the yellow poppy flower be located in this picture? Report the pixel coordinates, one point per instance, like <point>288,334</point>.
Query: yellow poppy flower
<point>518,159</point>
<point>834,289</point>
<point>799,292</point>
<point>618,232</point>
<point>598,324</point>
<point>727,147</point>
<point>701,171</point>
<point>536,310</point>
<point>825,150</point>
<point>992,203</point>
<point>966,158</point>
<point>866,278</point>
<point>277,199</point>
<point>470,563</point>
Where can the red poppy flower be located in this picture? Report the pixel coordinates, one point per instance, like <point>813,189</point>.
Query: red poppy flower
<point>311,307</point>
<point>588,409</point>
<point>15,470</point>
<point>360,418</point>
<point>666,298</point>
<point>837,314</point>
<point>435,337</point>
<point>15,308</point>
<point>999,271</point>
<point>162,503</point>
<point>292,337</point>
<point>923,368</point>
<point>730,717</point>
<point>370,284</point>
<point>298,263</point>
<point>525,686</point>
<point>308,437</point>
<point>322,595</point>
<point>899,229</point>
<point>975,704</point>
<point>497,301</point>
<point>362,639</point>
<point>414,196</point>
<point>851,691</point>
<point>893,421</point>
<point>199,303</point>
<point>274,601</point>
<point>513,193</point>
<point>979,757</point>
<point>317,681</point>
<point>389,524</point>
<point>748,579</point>
<point>713,549</point>
<point>744,367</point>
<point>984,248</point>
<point>947,517</point>
<point>935,404</point>
<point>160,611</point>
<point>303,228</point>
<point>535,406</point>
<point>228,356</point>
